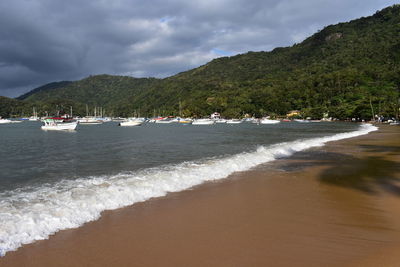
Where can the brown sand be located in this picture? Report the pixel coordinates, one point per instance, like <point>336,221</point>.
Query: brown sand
<point>332,206</point>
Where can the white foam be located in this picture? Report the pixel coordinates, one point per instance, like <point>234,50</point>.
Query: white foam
<point>29,215</point>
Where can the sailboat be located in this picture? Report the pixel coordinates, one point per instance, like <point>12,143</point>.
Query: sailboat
<point>34,117</point>
<point>89,119</point>
<point>131,122</point>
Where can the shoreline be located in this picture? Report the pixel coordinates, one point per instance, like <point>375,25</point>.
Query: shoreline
<point>294,210</point>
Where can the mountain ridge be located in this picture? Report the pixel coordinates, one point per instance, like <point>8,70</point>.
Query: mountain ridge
<point>350,69</point>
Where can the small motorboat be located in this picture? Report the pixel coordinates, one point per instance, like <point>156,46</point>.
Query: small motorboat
<point>4,121</point>
<point>301,121</point>
<point>220,121</point>
<point>57,125</point>
<point>234,121</point>
<point>203,122</point>
<point>90,120</point>
<point>268,121</point>
<point>131,122</point>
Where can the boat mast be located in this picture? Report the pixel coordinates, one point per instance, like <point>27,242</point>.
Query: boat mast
<point>180,108</point>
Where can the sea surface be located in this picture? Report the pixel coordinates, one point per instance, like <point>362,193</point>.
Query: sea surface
<point>52,180</point>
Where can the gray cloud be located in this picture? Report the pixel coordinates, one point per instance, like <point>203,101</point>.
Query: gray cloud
<point>51,40</point>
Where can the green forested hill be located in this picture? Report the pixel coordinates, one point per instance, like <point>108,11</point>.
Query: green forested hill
<point>346,70</point>
<point>44,88</point>
<point>9,106</point>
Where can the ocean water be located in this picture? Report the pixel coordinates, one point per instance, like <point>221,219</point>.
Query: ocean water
<point>51,181</point>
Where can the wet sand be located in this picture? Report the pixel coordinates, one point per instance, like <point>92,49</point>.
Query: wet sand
<point>336,205</point>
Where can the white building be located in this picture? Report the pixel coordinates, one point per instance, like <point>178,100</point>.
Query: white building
<point>215,116</point>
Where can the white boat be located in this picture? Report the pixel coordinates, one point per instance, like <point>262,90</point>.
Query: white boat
<point>131,122</point>
<point>203,122</point>
<point>234,121</point>
<point>4,121</point>
<point>301,121</point>
<point>119,119</point>
<point>104,119</point>
<point>50,124</point>
<point>89,120</point>
<point>220,121</point>
<point>34,117</point>
<point>250,120</point>
<point>268,121</point>
<point>164,121</point>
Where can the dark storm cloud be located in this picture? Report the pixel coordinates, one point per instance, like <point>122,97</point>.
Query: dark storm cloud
<point>50,40</point>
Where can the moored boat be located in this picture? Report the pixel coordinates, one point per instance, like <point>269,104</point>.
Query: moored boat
<point>185,120</point>
<point>203,122</point>
<point>119,119</point>
<point>164,121</point>
<point>301,121</point>
<point>33,119</point>
<point>268,121</point>
<point>4,121</point>
<point>234,121</point>
<point>57,125</point>
<point>89,120</point>
<point>251,120</point>
<point>131,122</point>
<point>220,121</point>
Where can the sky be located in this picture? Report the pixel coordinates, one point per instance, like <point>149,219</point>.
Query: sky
<point>44,41</point>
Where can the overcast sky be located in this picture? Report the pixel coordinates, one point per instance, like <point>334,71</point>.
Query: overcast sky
<point>43,41</point>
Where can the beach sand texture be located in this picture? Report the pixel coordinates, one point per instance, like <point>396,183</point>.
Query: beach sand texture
<point>337,205</point>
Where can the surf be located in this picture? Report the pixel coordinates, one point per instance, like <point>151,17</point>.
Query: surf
<point>30,214</point>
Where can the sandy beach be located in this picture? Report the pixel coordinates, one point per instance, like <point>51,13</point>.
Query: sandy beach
<point>337,205</point>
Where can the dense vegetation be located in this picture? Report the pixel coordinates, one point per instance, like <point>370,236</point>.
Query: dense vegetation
<point>345,70</point>
<point>45,88</point>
